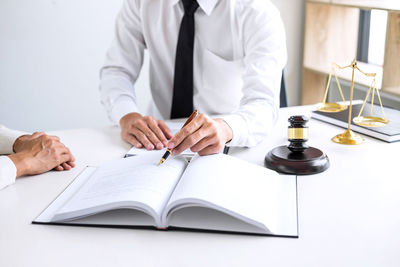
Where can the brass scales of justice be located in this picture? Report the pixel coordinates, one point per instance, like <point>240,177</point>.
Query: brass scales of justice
<point>349,137</point>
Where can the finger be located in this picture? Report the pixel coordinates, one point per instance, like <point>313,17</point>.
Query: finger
<point>59,168</point>
<point>142,138</point>
<point>66,166</point>
<point>193,126</point>
<point>62,149</point>
<point>36,135</point>
<point>203,143</point>
<point>56,138</point>
<point>71,163</point>
<point>213,149</point>
<point>132,140</point>
<point>72,158</point>
<point>58,147</point>
<point>158,133</point>
<point>63,158</point>
<point>190,141</point>
<point>151,137</point>
<point>165,129</point>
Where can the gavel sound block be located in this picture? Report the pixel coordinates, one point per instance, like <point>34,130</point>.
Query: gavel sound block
<point>297,158</point>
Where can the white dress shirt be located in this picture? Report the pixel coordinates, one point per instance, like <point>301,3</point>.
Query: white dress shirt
<point>8,171</point>
<point>239,54</point>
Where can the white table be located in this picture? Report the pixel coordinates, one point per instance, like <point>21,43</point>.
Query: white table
<point>348,215</point>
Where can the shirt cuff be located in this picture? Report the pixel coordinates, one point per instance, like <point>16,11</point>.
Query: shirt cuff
<point>239,129</point>
<point>8,172</point>
<point>122,106</point>
<point>117,95</point>
<point>7,141</point>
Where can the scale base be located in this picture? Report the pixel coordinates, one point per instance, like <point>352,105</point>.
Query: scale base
<point>310,161</point>
<point>348,138</point>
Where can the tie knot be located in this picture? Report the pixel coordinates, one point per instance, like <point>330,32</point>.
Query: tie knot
<point>190,6</point>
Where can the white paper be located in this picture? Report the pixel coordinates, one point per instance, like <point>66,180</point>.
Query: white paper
<point>134,181</point>
<point>238,188</point>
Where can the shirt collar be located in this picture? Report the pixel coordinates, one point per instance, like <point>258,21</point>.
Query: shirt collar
<point>207,5</point>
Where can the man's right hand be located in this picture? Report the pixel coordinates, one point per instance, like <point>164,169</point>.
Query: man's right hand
<point>144,131</point>
<point>38,153</point>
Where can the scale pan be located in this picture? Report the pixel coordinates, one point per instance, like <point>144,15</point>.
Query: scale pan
<point>330,107</point>
<point>369,121</point>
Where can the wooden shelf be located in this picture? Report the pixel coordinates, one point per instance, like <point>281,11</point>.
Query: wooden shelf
<point>331,36</point>
<point>313,87</point>
<point>358,77</point>
<point>389,5</point>
<point>391,75</point>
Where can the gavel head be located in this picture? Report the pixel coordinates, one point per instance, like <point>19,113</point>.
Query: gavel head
<point>298,133</point>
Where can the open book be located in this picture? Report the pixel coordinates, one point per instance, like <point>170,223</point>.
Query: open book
<point>217,193</point>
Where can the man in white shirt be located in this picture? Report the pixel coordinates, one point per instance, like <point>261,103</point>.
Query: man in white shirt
<point>221,57</point>
<point>35,154</point>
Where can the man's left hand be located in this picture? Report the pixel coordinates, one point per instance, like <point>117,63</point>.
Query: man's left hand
<point>203,135</point>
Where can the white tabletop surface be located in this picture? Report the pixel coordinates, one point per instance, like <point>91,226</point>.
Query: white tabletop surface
<point>348,215</point>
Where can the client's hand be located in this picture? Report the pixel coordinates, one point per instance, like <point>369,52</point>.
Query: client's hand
<point>144,131</point>
<point>38,153</point>
<point>203,135</point>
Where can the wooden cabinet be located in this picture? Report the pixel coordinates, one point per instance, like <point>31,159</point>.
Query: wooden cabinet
<point>331,35</point>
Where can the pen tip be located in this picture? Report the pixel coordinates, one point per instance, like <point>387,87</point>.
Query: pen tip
<point>161,161</point>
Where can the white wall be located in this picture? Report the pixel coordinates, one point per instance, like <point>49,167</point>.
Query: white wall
<point>51,52</point>
<point>292,12</point>
<point>50,55</point>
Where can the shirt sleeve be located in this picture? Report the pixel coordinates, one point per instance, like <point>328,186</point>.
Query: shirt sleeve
<point>7,139</point>
<point>264,45</point>
<point>8,172</point>
<point>122,65</point>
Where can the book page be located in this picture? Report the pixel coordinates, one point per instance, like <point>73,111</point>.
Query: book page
<point>126,183</point>
<point>238,188</point>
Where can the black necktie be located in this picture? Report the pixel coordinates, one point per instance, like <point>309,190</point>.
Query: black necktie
<point>182,100</point>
